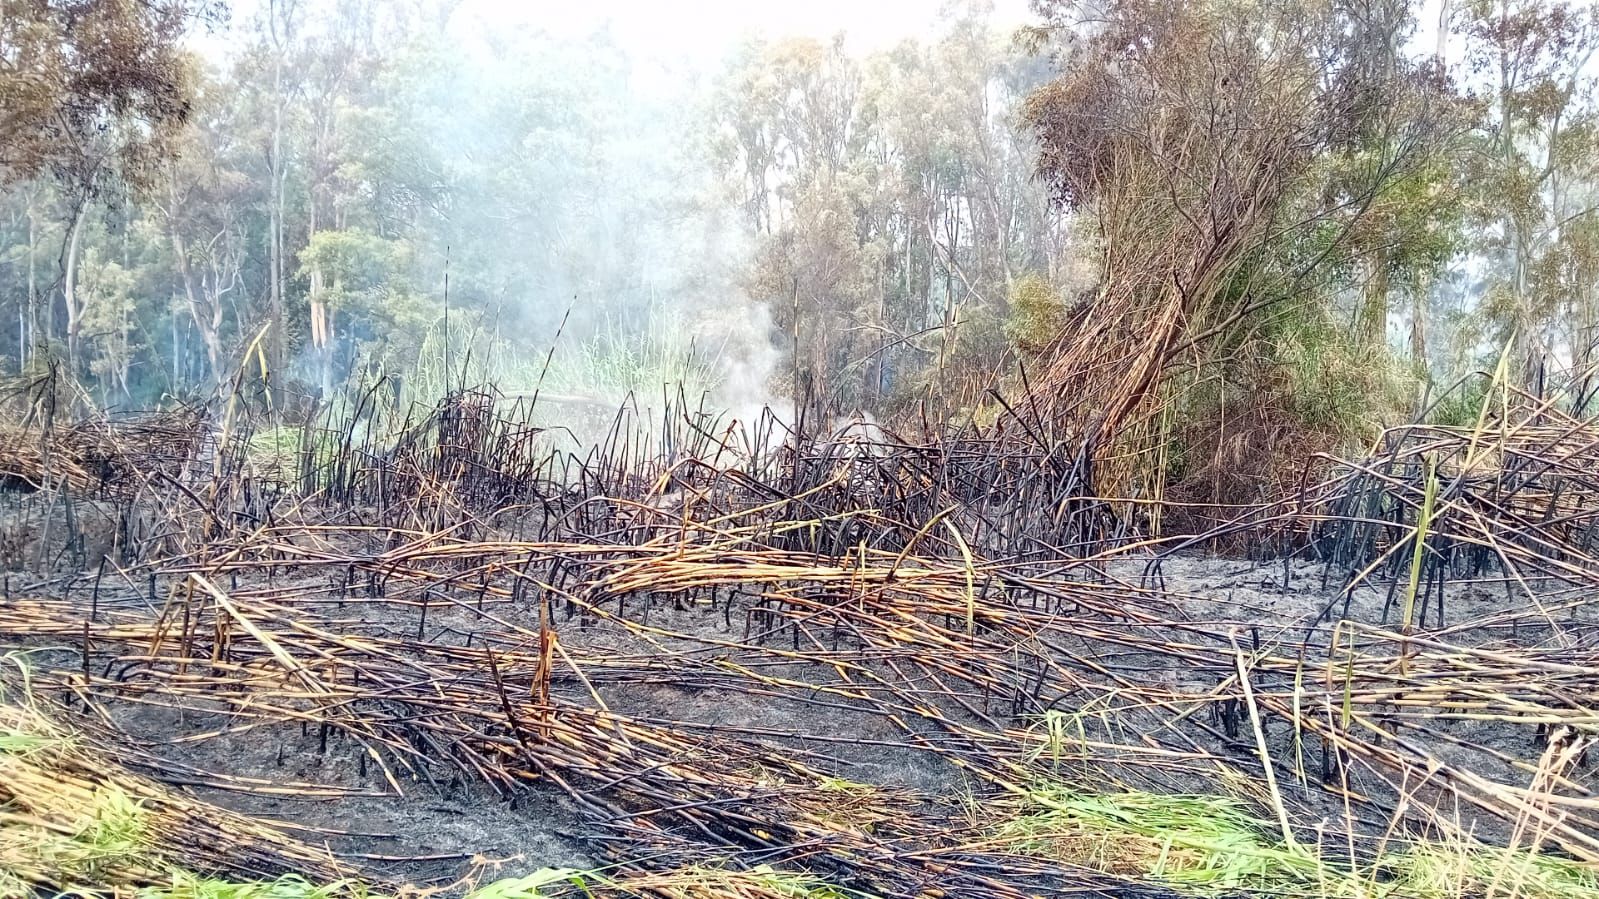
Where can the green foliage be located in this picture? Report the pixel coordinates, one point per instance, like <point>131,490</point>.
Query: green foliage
<point>93,847</point>
<point>665,352</point>
<point>1207,843</point>
<point>892,205</point>
<point>1037,313</point>
<point>85,843</point>
<point>1299,381</point>
<point>613,363</point>
<point>1462,404</point>
<point>107,291</point>
<point>532,886</point>
<point>1430,870</point>
<point>363,270</point>
<point>1333,383</point>
<point>886,211</point>
<point>186,885</point>
<point>24,743</point>
<point>86,84</point>
<point>1532,150</point>
<point>103,838</point>
<point>118,828</point>
<point>1211,845</point>
<point>763,879</point>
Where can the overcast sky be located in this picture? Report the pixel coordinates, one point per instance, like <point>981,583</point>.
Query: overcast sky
<point>677,30</point>
<point>695,26</point>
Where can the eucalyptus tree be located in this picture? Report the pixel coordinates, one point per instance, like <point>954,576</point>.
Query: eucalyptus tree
<point>893,203</point>
<point>94,93</point>
<point>1535,172</point>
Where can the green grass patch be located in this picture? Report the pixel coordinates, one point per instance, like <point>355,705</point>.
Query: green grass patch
<point>281,450</point>
<point>617,359</point>
<point>1196,841</point>
<point>763,881</point>
<point>538,885</point>
<point>1212,845</point>
<point>190,886</point>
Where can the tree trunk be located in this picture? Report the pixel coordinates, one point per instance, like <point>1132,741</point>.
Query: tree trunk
<point>275,340</point>
<point>69,288</point>
<point>275,273</point>
<point>31,327</point>
<point>204,321</point>
<point>1441,51</point>
<point>1373,328</point>
<point>320,337</point>
<point>1525,350</point>
<point>124,358</point>
<point>1418,332</point>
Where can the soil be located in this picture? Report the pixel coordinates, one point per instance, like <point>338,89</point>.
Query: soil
<point>439,832</point>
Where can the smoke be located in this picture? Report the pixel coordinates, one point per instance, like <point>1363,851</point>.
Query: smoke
<point>582,189</point>
<point>564,182</point>
<point>748,362</point>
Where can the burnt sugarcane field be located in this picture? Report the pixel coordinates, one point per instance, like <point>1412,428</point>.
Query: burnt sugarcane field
<point>916,449</point>
<point>707,658</point>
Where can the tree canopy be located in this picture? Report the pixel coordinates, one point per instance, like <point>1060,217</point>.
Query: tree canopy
<point>90,84</point>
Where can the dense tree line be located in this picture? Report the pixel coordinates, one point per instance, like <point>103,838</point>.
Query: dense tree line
<point>312,189</point>
<point>1303,202</point>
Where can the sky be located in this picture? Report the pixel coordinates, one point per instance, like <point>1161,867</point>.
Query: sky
<point>675,31</point>
<point>672,27</point>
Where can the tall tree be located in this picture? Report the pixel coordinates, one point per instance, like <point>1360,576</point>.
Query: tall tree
<point>894,205</point>
<point>1537,172</point>
<point>94,93</point>
<point>70,68</point>
<point>200,204</point>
